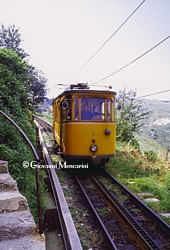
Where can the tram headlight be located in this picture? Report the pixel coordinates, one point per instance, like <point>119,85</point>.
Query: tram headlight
<point>93,148</point>
<point>107,131</point>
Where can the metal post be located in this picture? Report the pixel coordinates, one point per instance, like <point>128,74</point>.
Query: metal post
<point>40,221</point>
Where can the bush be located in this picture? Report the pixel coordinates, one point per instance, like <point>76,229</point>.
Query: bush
<point>151,156</point>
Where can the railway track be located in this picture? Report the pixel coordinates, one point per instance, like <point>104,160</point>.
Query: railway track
<point>125,221</point>
<point>46,126</point>
<point>69,234</point>
<point>140,230</point>
<point>118,190</point>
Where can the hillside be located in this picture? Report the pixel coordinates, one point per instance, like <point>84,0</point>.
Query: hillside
<point>156,126</point>
<point>155,132</point>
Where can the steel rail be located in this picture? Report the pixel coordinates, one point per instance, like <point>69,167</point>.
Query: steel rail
<point>142,239</point>
<point>44,124</point>
<point>70,238</point>
<point>107,235</point>
<point>165,227</point>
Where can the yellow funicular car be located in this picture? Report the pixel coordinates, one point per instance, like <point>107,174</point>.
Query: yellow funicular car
<point>84,124</point>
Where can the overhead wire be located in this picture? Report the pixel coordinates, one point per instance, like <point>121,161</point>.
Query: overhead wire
<point>128,64</point>
<point>108,39</point>
<point>156,93</point>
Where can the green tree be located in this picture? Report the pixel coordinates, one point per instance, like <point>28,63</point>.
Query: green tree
<point>10,38</point>
<point>35,81</point>
<point>13,96</point>
<point>14,102</point>
<point>128,116</point>
<point>13,78</point>
<point>36,87</point>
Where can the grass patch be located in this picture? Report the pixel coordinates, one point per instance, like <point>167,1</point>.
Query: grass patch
<point>140,173</point>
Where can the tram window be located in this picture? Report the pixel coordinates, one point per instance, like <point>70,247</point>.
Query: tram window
<point>85,112</point>
<point>96,113</point>
<point>102,111</point>
<point>68,110</point>
<point>68,117</point>
<point>75,109</point>
<point>92,108</point>
<point>113,109</point>
<point>109,109</point>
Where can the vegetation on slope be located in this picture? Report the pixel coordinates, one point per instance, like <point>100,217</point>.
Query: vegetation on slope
<point>145,174</point>
<point>157,124</point>
<point>141,163</point>
<point>18,88</point>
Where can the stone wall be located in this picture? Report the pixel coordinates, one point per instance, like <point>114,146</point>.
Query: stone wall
<point>17,227</point>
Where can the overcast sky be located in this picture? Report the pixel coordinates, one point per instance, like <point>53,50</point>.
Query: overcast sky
<point>61,35</point>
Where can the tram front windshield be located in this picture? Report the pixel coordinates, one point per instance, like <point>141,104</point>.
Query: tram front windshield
<point>93,108</point>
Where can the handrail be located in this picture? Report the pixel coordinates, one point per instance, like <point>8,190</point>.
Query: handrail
<point>40,221</point>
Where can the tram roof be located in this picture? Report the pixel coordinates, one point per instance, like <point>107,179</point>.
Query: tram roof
<point>85,92</point>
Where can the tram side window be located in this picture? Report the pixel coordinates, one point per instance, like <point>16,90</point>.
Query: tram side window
<point>75,109</point>
<point>113,109</point>
<point>68,111</point>
<point>109,106</point>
